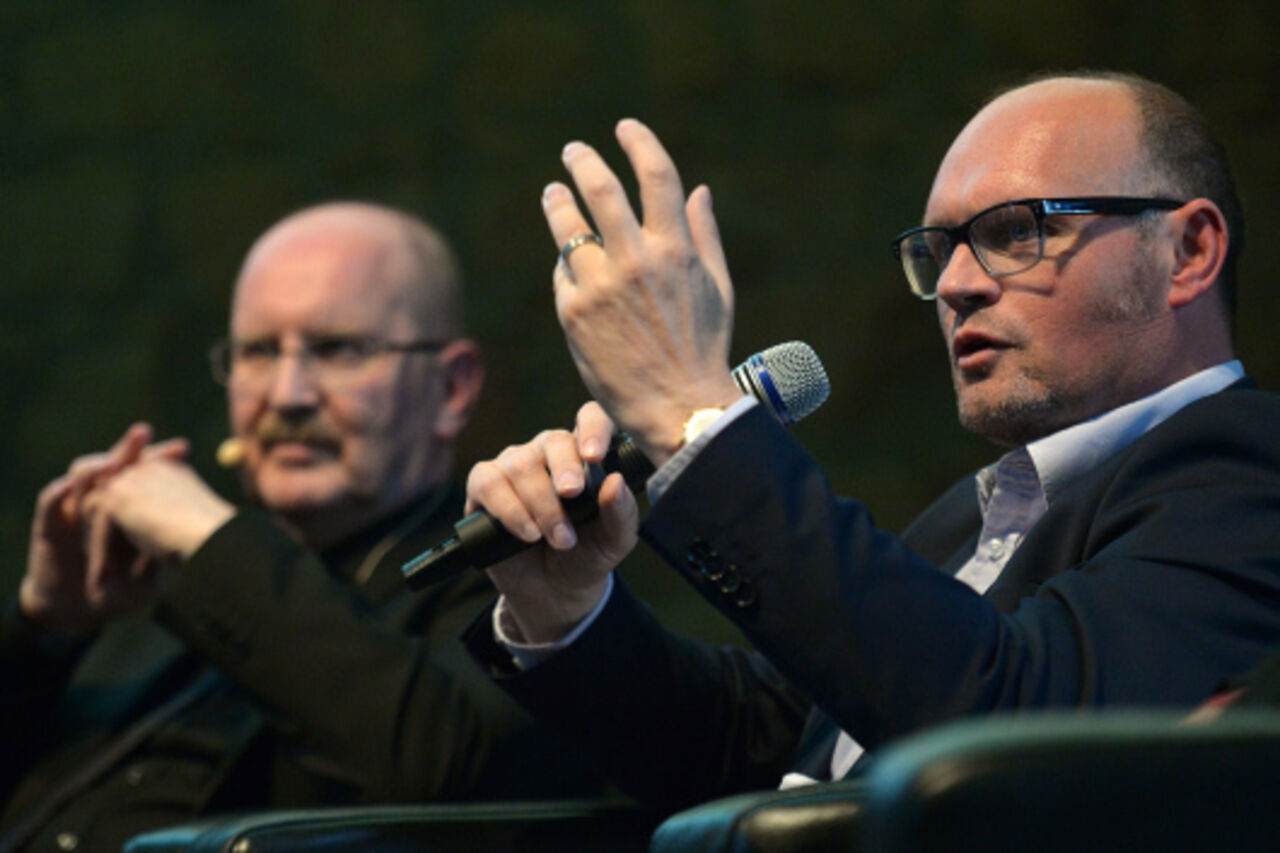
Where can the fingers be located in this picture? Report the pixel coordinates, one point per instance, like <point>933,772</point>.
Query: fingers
<point>164,508</point>
<point>171,449</point>
<point>661,196</point>
<point>128,448</point>
<point>566,223</point>
<point>564,463</point>
<point>706,239</point>
<point>594,431</point>
<point>51,504</point>
<point>88,471</point>
<point>602,193</point>
<point>523,486</point>
<point>98,548</point>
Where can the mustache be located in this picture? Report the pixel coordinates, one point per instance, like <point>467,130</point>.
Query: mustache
<point>275,428</point>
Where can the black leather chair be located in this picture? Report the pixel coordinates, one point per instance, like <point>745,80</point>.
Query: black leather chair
<point>572,826</point>
<point>1132,782</point>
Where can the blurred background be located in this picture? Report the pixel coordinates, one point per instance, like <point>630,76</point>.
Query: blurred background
<point>144,144</point>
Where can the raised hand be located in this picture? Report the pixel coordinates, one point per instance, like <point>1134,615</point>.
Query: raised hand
<point>59,590</point>
<point>649,312</point>
<point>161,505</point>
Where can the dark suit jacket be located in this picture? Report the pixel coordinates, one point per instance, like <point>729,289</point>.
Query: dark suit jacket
<point>1144,584</point>
<point>333,689</point>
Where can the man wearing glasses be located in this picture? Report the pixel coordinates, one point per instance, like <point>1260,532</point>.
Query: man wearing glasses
<point>1079,244</point>
<point>293,668</point>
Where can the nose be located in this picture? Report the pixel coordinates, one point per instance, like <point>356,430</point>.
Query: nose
<point>293,384</point>
<point>964,283</point>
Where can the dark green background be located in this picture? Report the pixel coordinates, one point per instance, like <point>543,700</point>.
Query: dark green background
<point>144,144</point>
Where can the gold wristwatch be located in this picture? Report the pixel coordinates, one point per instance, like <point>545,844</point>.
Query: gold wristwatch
<point>697,423</point>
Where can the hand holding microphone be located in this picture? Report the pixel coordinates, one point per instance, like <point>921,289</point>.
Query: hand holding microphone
<point>788,379</point>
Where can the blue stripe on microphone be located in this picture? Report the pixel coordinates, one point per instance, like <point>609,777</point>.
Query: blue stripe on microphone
<point>766,384</point>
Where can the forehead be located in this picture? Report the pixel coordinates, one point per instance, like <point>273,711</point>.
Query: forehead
<point>1051,139</point>
<point>330,277</point>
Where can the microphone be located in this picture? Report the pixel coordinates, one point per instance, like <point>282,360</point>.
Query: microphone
<point>787,379</point>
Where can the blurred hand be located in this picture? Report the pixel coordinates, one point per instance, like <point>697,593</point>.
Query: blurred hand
<point>60,589</point>
<point>550,589</point>
<point>161,506</point>
<point>649,314</point>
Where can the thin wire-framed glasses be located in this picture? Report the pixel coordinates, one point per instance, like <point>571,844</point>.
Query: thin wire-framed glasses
<point>1006,238</point>
<point>333,359</point>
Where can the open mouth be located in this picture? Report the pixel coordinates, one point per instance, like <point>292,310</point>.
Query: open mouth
<point>974,350</point>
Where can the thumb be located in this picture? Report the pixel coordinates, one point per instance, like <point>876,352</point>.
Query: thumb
<point>619,518</point>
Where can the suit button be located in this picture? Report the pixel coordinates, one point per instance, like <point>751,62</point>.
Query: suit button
<point>698,553</point>
<point>67,841</point>
<point>731,581</point>
<point>713,568</point>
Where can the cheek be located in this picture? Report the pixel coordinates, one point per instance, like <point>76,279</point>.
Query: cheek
<point>368,409</point>
<point>1076,353</point>
<point>367,422</point>
<point>243,411</point>
<point>946,320</point>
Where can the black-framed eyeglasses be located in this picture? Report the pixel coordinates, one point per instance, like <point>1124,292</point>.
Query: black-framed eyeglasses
<point>334,358</point>
<point>1006,238</point>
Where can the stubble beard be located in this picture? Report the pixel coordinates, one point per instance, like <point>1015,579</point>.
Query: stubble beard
<point>1024,412</point>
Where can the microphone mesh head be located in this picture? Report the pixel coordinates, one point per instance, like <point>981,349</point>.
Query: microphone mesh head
<point>798,376</point>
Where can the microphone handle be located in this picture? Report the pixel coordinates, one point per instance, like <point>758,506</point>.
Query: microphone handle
<point>480,541</point>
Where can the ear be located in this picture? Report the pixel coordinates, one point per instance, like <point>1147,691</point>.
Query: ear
<point>1200,241</point>
<point>462,372</point>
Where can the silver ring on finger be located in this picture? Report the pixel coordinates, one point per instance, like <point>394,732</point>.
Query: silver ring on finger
<point>576,242</point>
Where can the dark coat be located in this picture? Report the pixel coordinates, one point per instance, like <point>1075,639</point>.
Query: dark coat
<point>1148,581</point>
<point>333,684</point>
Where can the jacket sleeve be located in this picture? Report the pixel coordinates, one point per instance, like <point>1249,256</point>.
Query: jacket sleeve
<point>1149,581</point>
<point>673,721</point>
<point>34,668</point>
<point>379,699</point>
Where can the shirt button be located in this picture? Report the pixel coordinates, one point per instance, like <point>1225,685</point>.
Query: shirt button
<point>67,841</point>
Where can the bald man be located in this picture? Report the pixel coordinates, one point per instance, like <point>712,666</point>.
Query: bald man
<point>193,657</point>
<point>1080,245</point>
